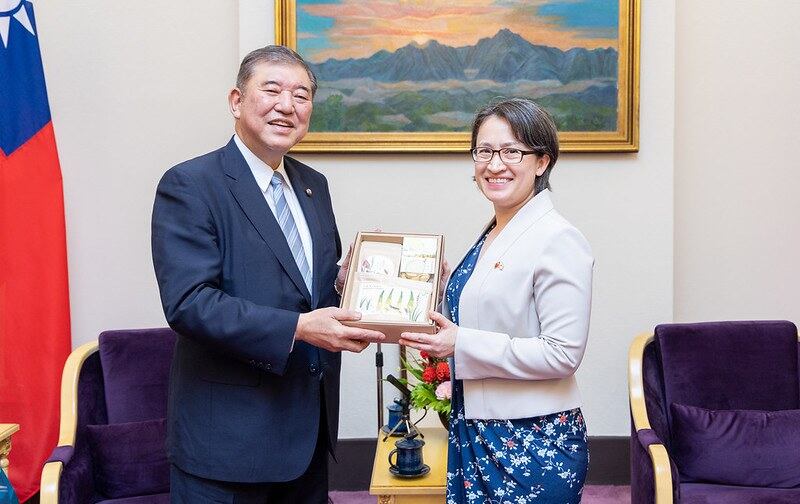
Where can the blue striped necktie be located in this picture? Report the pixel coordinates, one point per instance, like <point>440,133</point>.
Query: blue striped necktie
<point>289,228</point>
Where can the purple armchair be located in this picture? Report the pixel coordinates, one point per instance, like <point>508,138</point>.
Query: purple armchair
<point>715,410</point>
<point>111,446</point>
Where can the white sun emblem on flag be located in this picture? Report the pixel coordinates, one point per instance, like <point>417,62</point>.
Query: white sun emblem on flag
<point>19,14</point>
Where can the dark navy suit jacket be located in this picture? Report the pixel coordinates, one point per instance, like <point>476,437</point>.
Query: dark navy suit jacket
<point>242,406</point>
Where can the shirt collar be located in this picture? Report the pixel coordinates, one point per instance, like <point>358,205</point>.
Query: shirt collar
<point>261,170</point>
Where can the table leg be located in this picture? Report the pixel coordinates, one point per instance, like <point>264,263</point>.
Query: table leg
<point>5,448</point>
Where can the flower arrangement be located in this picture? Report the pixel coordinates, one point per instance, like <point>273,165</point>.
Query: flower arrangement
<point>434,388</point>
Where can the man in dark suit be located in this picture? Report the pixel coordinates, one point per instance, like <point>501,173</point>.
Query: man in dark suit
<point>245,247</point>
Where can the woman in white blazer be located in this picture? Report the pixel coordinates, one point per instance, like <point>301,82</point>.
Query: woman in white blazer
<point>516,320</point>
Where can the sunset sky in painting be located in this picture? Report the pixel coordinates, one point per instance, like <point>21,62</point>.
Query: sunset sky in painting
<point>355,29</point>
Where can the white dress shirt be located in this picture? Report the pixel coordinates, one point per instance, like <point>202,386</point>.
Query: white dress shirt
<point>263,174</point>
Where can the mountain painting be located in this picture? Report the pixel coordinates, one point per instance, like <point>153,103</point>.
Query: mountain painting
<point>397,67</point>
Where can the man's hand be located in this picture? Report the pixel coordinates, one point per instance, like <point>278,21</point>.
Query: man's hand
<point>341,277</point>
<point>322,328</point>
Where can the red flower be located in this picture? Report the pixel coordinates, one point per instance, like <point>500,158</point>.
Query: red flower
<point>425,355</point>
<point>562,419</point>
<point>429,375</point>
<point>442,371</point>
<point>467,484</point>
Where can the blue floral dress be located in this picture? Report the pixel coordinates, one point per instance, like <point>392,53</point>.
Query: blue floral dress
<point>520,461</point>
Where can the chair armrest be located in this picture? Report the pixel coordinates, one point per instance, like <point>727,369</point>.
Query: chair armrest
<point>67,476</point>
<point>654,478</point>
<point>51,477</point>
<point>664,471</point>
<point>659,478</point>
<point>69,393</point>
<point>64,476</point>
<point>61,454</point>
<point>51,474</point>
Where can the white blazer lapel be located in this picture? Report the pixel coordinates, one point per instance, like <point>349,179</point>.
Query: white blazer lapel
<point>526,217</point>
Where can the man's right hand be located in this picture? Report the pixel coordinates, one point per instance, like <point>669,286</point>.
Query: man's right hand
<point>322,328</point>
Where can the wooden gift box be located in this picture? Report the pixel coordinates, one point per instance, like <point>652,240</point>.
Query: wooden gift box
<point>401,297</point>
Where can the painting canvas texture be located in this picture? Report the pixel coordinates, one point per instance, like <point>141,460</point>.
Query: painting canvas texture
<point>428,66</point>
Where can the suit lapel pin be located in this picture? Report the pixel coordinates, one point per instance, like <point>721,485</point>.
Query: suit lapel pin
<point>498,265</point>
<point>309,192</point>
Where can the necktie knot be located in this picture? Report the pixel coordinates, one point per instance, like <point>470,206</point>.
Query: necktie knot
<point>277,180</point>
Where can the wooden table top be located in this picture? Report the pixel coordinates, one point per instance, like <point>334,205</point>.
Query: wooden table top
<point>7,429</point>
<point>434,454</point>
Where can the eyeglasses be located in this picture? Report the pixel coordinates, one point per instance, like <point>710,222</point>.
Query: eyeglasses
<point>507,155</point>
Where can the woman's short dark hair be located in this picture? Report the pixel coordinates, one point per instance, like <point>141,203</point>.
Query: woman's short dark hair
<point>272,54</point>
<point>531,124</point>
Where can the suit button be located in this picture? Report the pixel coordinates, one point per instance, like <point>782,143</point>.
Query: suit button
<point>313,369</point>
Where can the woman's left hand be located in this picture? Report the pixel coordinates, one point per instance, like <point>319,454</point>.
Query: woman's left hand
<point>444,276</point>
<point>442,344</point>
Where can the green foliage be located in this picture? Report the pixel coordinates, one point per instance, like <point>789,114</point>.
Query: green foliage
<point>416,371</point>
<point>571,114</point>
<point>333,115</point>
<point>423,395</point>
<point>327,115</point>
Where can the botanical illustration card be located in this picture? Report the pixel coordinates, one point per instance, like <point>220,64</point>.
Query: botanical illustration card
<point>419,258</point>
<point>380,258</point>
<point>393,299</point>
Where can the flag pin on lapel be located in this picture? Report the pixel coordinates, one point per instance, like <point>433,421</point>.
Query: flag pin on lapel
<point>309,193</point>
<point>498,265</point>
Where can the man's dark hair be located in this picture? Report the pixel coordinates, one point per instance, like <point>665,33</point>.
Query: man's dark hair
<point>272,54</point>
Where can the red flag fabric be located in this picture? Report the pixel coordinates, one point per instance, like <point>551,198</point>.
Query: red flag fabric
<point>34,294</point>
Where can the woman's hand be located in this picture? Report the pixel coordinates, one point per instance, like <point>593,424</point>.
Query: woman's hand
<point>442,344</point>
<point>444,276</point>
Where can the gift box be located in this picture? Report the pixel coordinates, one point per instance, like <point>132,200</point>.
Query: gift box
<point>393,281</point>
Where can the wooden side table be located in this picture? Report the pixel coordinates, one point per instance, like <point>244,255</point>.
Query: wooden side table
<point>428,489</point>
<point>6,431</point>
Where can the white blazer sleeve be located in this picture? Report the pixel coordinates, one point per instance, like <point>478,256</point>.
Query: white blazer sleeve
<point>562,295</point>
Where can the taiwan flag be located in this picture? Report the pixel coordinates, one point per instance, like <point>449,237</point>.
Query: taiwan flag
<point>34,295</point>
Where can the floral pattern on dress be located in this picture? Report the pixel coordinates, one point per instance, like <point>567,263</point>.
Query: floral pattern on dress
<point>521,461</point>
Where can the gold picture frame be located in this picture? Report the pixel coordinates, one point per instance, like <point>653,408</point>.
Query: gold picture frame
<point>624,138</point>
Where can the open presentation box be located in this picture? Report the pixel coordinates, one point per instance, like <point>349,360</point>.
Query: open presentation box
<point>393,281</point>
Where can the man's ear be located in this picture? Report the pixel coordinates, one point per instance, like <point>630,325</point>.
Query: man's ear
<point>235,101</point>
<point>544,161</point>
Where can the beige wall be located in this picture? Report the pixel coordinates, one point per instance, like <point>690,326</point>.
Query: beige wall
<point>132,91</point>
<point>137,86</point>
<point>737,177</point>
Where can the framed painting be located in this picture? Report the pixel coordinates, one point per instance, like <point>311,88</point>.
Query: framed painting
<point>408,75</point>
